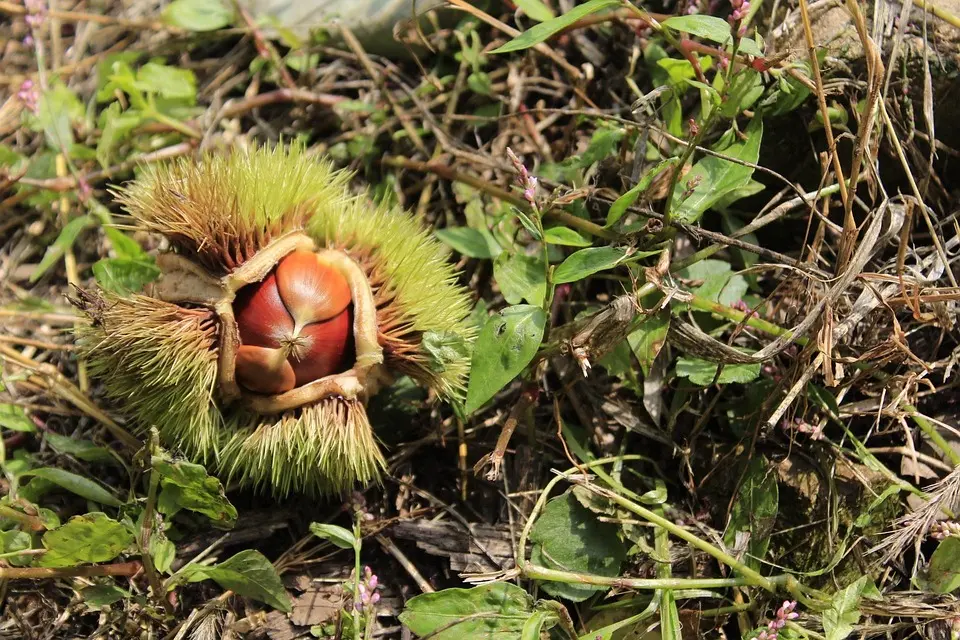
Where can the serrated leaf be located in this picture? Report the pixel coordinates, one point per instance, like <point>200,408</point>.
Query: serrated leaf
<point>506,345</point>
<point>339,536</point>
<point>844,610</point>
<point>83,487</point>
<point>520,278</point>
<point>539,33</point>
<point>248,574</point>
<point>68,235</point>
<point>470,242</point>
<point>754,511</point>
<point>702,372</point>
<point>567,536</point>
<point>536,9</point>
<point>504,607</point>
<point>125,275</point>
<point>713,178</point>
<point>185,485</point>
<point>198,15</point>
<point>103,595</point>
<point>14,418</point>
<point>93,537</point>
<point>586,262</point>
<point>943,572</point>
<point>649,338</point>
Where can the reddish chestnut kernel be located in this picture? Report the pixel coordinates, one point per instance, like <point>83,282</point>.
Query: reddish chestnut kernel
<point>322,348</point>
<point>262,318</point>
<point>311,290</point>
<point>264,370</point>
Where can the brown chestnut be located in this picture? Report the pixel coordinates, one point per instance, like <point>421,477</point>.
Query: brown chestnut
<point>295,325</point>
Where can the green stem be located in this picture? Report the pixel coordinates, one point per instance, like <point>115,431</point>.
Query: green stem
<point>931,432</point>
<point>174,124</point>
<point>537,572</point>
<point>358,537</point>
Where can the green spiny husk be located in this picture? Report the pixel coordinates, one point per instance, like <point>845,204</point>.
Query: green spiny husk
<point>159,360</point>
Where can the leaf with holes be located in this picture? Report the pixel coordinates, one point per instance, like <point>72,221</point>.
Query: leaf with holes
<point>93,537</point>
<point>185,485</point>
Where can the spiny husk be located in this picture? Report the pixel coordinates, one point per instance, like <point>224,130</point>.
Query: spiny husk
<point>159,360</point>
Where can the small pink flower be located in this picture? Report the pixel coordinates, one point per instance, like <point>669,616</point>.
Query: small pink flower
<point>28,95</point>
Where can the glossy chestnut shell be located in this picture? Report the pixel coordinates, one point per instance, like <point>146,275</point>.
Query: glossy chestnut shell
<point>295,325</point>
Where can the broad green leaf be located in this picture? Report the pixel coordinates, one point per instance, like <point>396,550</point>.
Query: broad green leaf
<point>520,278</point>
<point>93,537</point>
<point>713,178</point>
<point>943,573</point>
<point>586,262</point>
<point>83,487</point>
<point>495,611</point>
<point>506,345</point>
<point>702,372</point>
<point>163,552</point>
<point>80,449</point>
<point>198,15</point>
<point>248,573</point>
<point>536,9</point>
<point>470,242</point>
<point>123,245</point>
<point>540,620</point>
<point>844,610</point>
<point>13,417</point>
<point>755,511</point>
<point>185,485</point>
<point>15,540</point>
<point>444,348</point>
<point>339,536</point>
<point>68,235</point>
<point>58,109</point>
<point>711,28</point>
<point>167,81</point>
<point>745,89</point>
<point>539,33</point>
<point>115,126</point>
<point>567,536</point>
<point>649,338</point>
<point>103,595</point>
<point>751,188</point>
<point>125,275</point>
<point>624,202</point>
<point>565,236</point>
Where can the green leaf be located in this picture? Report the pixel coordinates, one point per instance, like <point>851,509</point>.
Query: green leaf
<point>567,536</point>
<point>13,541</point>
<point>339,536</point>
<point>755,511</point>
<point>248,573</point>
<point>943,573</point>
<point>495,611</point>
<point>539,33</point>
<point>92,537</point>
<point>83,487</point>
<point>13,417</point>
<point>540,620</point>
<point>68,235</point>
<point>80,449</point>
<point>506,345</point>
<point>443,349</point>
<point>58,109</point>
<point>470,242</point>
<point>115,126</point>
<point>823,399</point>
<point>624,202</point>
<point>711,28</point>
<point>565,236</point>
<point>844,610</point>
<point>123,245</point>
<point>103,595</point>
<point>125,275</point>
<point>587,262</point>
<point>520,278</point>
<point>714,178</point>
<point>649,338</point>
<point>198,15</point>
<point>163,552</point>
<point>167,81</point>
<point>702,372</point>
<point>185,485</point>
<point>751,188</point>
<point>535,9</point>
<point>669,617</point>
